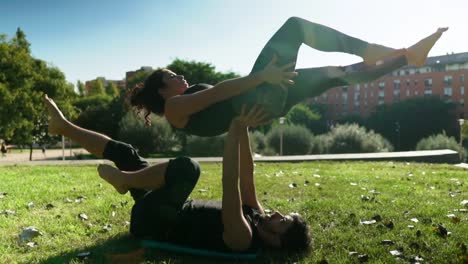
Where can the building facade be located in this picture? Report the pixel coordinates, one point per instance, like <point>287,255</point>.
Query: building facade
<point>442,76</point>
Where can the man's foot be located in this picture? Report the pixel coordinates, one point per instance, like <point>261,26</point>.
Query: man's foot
<point>113,176</point>
<point>417,53</point>
<point>56,119</point>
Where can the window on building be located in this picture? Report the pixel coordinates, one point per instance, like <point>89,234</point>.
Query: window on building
<point>448,91</point>
<point>344,97</point>
<point>396,85</point>
<point>381,94</point>
<point>428,82</point>
<point>448,80</point>
<point>408,82</point>
<point>381,102</point>
<point>416,93</point>
<point>407,92</point>
<point>415,82</point>
<point>381,85</point>
<point>462,90</point>
<point>462,102</point>
<point>462,78</point>
<point>427,92</point>
<point>357,88</point>
<point>344,89</point>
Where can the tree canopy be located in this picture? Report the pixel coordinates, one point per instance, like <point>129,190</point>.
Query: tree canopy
<point>23,82</point>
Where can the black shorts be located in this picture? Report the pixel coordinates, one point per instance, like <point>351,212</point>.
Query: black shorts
<point>155,210</point>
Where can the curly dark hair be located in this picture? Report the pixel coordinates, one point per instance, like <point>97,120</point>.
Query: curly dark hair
<point>297,237</point>
<point>145,96</point>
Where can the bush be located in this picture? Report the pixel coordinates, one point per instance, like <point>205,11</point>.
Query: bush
<point>351,138</point>
<point>205,146</point>
<point>440,141</point>
<point>257,142</point>
<point>296,140</point>
<point>158,138</point>
<point>320,144</point>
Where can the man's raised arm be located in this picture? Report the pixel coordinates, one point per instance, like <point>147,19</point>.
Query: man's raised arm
<point>247,182</point>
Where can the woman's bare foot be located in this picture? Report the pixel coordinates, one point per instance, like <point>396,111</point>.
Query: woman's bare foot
<point>417,53</point>
<point>113,176</point>
<point>56,119</point>
<point>375,53</point>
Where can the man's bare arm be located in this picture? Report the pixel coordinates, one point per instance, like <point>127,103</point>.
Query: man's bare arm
<point>247,182</point>
<point>237,232</point>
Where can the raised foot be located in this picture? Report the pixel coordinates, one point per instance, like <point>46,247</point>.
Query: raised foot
<point>417,54</point>
<point>56,118</point>
<point>113,176</point>
<point>375,53</point>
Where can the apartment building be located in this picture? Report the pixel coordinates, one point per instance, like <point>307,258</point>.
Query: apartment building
<point>442,76</point>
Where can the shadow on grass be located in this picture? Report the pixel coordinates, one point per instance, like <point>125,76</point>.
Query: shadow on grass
<point>127,249</point>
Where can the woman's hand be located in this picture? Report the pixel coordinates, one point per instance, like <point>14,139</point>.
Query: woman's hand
<point>278,75</point>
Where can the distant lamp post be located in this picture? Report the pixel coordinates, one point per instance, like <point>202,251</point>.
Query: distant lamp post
<point>281,121</point>
<point>460,122</point>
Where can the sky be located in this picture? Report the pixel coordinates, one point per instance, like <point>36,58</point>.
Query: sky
<point>86,39</point>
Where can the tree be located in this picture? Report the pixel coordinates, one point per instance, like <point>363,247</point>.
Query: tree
<point>137,78</point>
<point>199,72</point>
<point>81,88</point>
<point>96,88</point>
<point>24,80</point>
<point>304,115</point>
<point>111,89</point>
<point>406,122</point>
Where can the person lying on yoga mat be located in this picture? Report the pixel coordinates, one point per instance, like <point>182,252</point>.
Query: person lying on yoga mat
<point>273,83</point>
<point>162,210</point>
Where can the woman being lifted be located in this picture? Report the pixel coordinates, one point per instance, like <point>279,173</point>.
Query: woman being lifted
<point>273,83</point>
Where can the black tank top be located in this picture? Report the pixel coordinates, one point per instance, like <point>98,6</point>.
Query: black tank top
<point>211,121</point>
<point>200,225</point>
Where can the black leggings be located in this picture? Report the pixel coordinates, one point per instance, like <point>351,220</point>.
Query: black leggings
<point>155,210</point>
<point>311,82</point>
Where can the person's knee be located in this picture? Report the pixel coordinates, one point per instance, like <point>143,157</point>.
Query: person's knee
<point>294,20</point>
<point>124,155</point>
<point>187,167</point>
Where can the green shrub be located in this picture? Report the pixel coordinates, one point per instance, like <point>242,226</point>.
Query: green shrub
<point>320,144</point>
<point>205,146</point>
<point>158,138</point>
<point>351,138</point>
<point>440,141</point>
<point>296,139</point>
<point>257,141</point>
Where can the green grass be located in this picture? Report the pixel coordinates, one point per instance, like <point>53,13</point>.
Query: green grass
<point>335,199</point>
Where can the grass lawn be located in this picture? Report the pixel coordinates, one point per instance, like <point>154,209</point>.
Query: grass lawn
<point>419,208</point>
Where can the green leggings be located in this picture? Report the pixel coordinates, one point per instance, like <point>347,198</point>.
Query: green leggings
<point>311,82</point>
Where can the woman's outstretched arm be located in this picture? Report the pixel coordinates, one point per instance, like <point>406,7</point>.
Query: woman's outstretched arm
<point>179,108</point>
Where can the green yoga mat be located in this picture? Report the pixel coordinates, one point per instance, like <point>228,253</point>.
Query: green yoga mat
<point>197,252</point>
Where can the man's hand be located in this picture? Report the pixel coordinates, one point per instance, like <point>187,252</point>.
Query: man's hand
<point>254,117</point>
<point>278,75</point>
